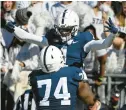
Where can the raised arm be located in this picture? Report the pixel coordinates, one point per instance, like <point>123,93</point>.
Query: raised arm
<point>104,43</point>
<point>99,44</point>
<point>25,36</point>
<point>31,38</point>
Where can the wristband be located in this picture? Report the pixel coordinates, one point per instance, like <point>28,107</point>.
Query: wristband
<point>100,78</point>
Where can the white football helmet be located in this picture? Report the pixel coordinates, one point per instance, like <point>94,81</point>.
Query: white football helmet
<point>51,59</point>
<point>67,24</point>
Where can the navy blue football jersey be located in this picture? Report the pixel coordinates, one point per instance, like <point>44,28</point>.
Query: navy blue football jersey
<point>57,90</point>
<point>74,49</point>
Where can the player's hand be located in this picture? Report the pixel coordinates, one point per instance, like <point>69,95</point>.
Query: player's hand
<point>98,83</point>
<point>111,27</point>
<point>96,106</point>
<point>99,80</point>
<point>10,26</point>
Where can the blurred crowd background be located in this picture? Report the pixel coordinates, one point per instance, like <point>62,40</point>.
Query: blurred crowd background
<point>98,65</point>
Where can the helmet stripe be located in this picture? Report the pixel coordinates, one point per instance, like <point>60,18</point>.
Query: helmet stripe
<point>44,59</point>
<point>63,16</point>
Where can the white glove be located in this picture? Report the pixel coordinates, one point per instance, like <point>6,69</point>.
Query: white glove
<point>16,71</point>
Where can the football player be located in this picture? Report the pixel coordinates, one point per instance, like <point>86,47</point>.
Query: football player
<point>75,45</point>
<point>56,86</point>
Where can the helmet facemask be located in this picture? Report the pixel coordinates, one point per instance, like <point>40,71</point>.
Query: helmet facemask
<point>66,33</point>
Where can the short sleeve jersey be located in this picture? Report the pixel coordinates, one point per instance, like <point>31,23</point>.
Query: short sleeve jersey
<point>57,90</point>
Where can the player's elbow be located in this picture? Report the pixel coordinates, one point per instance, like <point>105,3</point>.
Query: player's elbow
<point>85,93</point>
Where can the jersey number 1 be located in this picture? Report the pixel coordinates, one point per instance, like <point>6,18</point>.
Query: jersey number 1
<point>62,84</point>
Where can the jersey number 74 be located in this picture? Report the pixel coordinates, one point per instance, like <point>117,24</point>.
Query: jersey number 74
<point>62,84</point>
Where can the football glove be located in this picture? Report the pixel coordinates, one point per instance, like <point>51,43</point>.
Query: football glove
<point>111,27</point>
